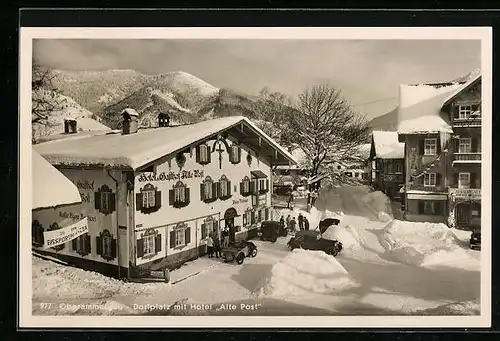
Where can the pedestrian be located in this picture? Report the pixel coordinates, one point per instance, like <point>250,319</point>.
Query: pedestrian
<point>225,238</point>
<point>282,222</point>
<point>301,221</point>
<point>293,224</point>
<point>288,219</point>
<point>217,246</point>
<point>210,246</point>
<point>306,224</point>
<point>232,234</point>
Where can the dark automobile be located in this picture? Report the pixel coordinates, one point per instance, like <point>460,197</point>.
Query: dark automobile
<point>326,223</point>
<point>239,251</point>
<point>270,230</point>
<point>312,240</point>
<point>475,239</point>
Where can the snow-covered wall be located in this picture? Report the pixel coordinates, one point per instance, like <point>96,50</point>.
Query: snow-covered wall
<point>168,172</point>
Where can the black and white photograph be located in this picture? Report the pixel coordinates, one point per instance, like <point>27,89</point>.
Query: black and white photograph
<point>222,176</point>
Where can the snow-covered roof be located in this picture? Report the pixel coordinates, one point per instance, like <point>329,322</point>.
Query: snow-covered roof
<point>141,148</point>
<point>419,109</point>
<point>50,187</point>
<point>364,150</point>
<point>130,112</point>
<point>474,78</point>
<point>387,146</point>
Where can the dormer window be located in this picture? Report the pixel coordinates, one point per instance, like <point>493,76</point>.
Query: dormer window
<point>235,153</point>
<point>203,154</point>
<point>179,195</point>
<point>208,190</point>
<point>224,188</point>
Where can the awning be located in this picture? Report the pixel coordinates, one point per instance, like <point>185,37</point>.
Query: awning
<point>427,197</point>
<point>50,187</point>
<point>258,174</point>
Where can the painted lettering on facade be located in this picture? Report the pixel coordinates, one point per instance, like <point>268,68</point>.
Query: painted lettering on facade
<point>240,201</point>
<point>76,216</point>
<point>171,176</point>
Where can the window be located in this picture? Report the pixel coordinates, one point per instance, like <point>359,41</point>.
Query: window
<point>464,111</point>
<point>430,179</point>
<point>179,196</point>
<point>148,200</point>
<point>465,145</point>
<point>208,190</point>
<point>245,186</point>
<point>463,180</point>
<point>430,146</point>
<point>208,227</point>
<point>37,233</point>
<point>399,167</point>
<point>81,244</point>
<point>180,236</point>
<point>104,200</point>
<point>429,207</point>
<point>106,245</point>
<point>263,186</point>
<point>149,245</point>
<point>203,154</point>
<point>235,153</point>
<point>224,188</point>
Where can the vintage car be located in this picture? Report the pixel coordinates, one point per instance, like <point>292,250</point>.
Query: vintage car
<point>313,240</point>
<point>239,251</point>
<point>270,230</point>
<point>475,239</point>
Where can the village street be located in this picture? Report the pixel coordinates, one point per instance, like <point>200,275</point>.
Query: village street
<point>378,283</point>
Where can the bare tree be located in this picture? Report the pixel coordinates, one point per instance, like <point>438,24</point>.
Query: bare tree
<point>326,128</point>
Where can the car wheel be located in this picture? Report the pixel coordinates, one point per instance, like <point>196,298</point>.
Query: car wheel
<point>240,258</point>
<point>254,252</point>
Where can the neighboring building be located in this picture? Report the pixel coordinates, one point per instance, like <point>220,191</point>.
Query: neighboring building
<point>152,196</point>
<point>440,125</point>
<point>387,163</point>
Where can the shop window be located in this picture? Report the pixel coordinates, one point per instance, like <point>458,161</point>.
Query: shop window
<point>430,146</point>
<point>149,245</point>
<point>54,227</point>
<point>106,245</point>
<point>208,190</point>
<point>203,154</point>
<point>149,199</point>
<point>430,207</point>
<point>180,236</point>
<point>104,200</point>
<point>224,188</point>
<point>81,244</point>
<point>179,196</point>
<point>245,186</point>
<point>235,153</point>
<point>37,233</point>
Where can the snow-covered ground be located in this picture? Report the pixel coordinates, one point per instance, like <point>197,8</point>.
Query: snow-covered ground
<point>369,277</point>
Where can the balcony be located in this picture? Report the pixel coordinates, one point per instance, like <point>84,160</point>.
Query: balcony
<point>466,122</point>
<point>465,193</point>
<point>467,157</point>
<point>394,177</point>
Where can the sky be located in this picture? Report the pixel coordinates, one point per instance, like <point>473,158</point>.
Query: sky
<point>368,72</point>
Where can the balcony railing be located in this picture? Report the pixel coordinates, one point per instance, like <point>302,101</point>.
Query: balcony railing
<point>393,178</point>
<point>467,122</point>
<point>437,189</point>
<point>467,157</point>
<point>465,193</point>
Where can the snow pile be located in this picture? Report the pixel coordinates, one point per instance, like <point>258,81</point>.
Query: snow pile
<point>422,244</point>
<point>58,281</point>
<point>380,204</point>
<point>347,235</point>
<point>305,272</point>
<point>456,308</point>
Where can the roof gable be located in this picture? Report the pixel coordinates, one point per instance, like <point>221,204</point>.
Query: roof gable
<point>476,79</point>
<point>386,145</point>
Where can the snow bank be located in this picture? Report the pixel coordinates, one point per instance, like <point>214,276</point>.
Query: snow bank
<point>456,308</point>
<point>380,204</point>
<point>347,235</point>
<point>305,272</point>
<point>423,244</point>
<point>58,281</point>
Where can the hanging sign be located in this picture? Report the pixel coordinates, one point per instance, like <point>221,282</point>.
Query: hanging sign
<point>65,234</point>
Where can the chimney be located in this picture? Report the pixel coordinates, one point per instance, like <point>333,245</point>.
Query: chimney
<point>130,123</point>
<point>163,120</point>
<point>69,126</point>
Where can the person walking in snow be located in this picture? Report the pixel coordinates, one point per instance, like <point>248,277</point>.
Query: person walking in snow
<point>288,219</point>
<point>210,246</point>
<point>306,224</point>
<point>225,238</point>
<point>301,221</point>
<point>217,246</point>
<point>293,224</point>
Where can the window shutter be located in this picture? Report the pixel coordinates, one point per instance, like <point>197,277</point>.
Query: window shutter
<point>187,195</point>
<point>113,248</point>
<point>253,217</point>
<point>198,154</point>
<point>421,146</point>
<point>158,243</point>
<point>474,145</point>
<point>267,213</point>
<point>267,185</point>
<point>455,178</point>
<point>172,239</point>
<point>98,242</point>
<point>455,111</point>
<point>473,180</point>
<point>171,197</point>
<point>241,188</point>
<point>252,187</point>
<point>209,155</point>
<point>73,243</point>
<point>158,199</point>
<point>203,231</point>
<point>438,145</point>
<point>138,202</point>
<point>140,248</point>
<point>187,235</point>
<point>420,207</point>
<point>438,179</point>
<point>97,200</point>
<point>229,189</point>
<point>202,191</point>
<point>239,154</point>
<point>112,202</point>
<point>215,193</point>
<point>87,243</point>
